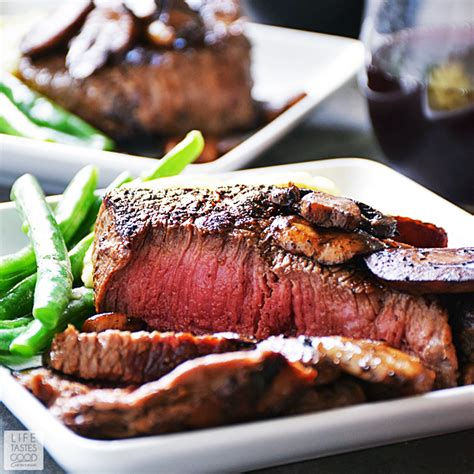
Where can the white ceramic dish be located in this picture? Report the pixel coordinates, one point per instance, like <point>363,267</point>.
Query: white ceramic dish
<point>285,62</point>
<point>258,444</point>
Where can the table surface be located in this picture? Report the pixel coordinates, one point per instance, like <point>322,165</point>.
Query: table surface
<point>339,127</point>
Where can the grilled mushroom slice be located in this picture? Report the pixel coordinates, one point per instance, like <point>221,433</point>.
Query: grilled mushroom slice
<point>425,270</point>
<point>325,246</point>
<point>106,32</point>
<point>57,29</point>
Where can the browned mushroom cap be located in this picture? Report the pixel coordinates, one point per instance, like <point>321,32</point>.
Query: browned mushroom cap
<point>376,223</point>
<point>330,211</point>
<point>57,29</point>
<point>425,270</point>
<point>106,32</point>
<point>104,321</point>
<point>325,246</point>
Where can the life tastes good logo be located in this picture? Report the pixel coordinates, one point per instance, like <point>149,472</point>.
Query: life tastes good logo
<point>23,450</point>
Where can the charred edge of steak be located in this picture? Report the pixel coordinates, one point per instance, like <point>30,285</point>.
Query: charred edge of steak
<point>210,391</point>
<point>132,358</point>
<point>255,208</point>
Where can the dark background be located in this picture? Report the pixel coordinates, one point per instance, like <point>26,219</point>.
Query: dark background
<point>338,17</point>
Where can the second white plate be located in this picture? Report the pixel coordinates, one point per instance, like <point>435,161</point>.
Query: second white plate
<point>285,62</point>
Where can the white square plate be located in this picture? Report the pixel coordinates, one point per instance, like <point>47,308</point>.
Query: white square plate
<point>253,445</point>
<point>285,62</point>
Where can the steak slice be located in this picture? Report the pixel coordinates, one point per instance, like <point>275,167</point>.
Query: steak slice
<point>131,358</point>
<point>370,361</point>
<point>196,261</point>
<point>342,393</point>
<point>136,358</point>
<point>209,391</point>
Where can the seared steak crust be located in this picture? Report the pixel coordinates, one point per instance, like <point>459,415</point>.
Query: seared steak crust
<point>196,260</point>
<point>131,358</point>
<point>156,92</point>
<point>209,391</point>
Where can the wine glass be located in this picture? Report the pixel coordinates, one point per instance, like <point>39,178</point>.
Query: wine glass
<point>419,84</point>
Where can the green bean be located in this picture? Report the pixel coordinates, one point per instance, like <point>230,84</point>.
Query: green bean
<point>19,300</point>
<point>14,122</point>
<point>77,254</point>
<point>54,282</point>
<point>7,336</point>
<point>184,153</point>
<point>15,267</point>
<point>15,323</point>
<point>71,210</point>
<point>16,362</point>
<point>37,336</point>
<point>88,224</point>
<point>77,199</point>
<point>50,116</point>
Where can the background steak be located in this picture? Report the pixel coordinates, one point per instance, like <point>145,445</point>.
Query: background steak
<point>155,92</point>
<point>195,260</point>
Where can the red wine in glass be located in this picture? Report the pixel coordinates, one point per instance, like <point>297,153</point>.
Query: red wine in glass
<point>420,91</point>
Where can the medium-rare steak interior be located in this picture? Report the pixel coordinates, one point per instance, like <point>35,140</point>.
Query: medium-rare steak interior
<point>131,72</point>
<point>206,261</point>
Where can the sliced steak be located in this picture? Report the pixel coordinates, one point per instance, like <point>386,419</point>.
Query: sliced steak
<point>370,361</point>
<point>461,312</point>
<point>196,261</point>
<point>131,358</point>
<point>136,358</point>
<point>209,391</point>
<point>344,392</point>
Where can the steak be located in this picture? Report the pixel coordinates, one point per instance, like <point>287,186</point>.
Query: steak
<point>137,358</point>
<point>201,261</point>
<point>343,393</point>
<point>113,75</point>
<point>371,361</point>
<point>209,391</point>
<point>131,358</point>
